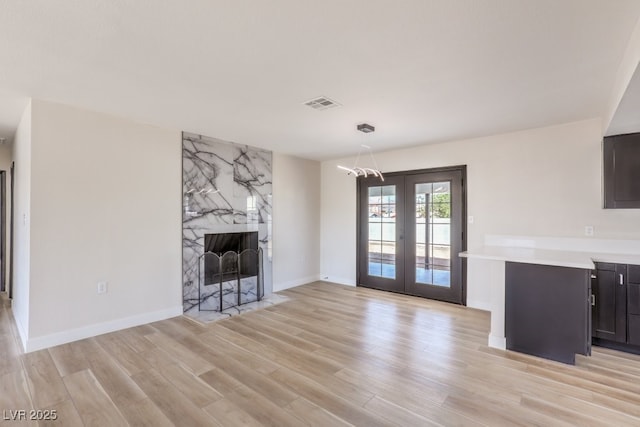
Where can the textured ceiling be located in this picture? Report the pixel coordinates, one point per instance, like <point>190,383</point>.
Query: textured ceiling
<point>421,71</point>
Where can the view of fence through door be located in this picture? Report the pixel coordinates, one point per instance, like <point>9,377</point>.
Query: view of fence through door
<point>433,230</point>
<point>382,231</point>
<point>410,232</point>
<point>433,233</point>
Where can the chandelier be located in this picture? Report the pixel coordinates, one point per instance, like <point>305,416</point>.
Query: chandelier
<point>363,171</point>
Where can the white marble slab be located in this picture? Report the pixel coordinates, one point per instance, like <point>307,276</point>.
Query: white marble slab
<point>214,316</point>
<point>226,189</point>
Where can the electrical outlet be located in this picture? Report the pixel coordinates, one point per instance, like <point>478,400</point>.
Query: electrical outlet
<point>102,287</point>
<point>588,230</point>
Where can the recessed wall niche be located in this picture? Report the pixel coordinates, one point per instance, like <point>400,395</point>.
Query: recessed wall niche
<point>226,188</point>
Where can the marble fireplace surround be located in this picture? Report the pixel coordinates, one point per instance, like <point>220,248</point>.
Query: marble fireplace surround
<point>226,188</point>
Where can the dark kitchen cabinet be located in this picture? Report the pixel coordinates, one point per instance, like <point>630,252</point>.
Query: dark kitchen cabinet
<point>547,310</point>
<point>615,306</point>
<point>621,155</point>
<point>633,305</point>
<point>609,302</point>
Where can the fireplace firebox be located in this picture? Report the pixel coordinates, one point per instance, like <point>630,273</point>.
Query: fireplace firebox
<point>230,271</point>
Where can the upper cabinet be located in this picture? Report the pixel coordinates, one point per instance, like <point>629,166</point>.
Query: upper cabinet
<point>622,171</point>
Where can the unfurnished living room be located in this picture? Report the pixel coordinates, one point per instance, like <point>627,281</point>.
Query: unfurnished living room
<point>290,213</point>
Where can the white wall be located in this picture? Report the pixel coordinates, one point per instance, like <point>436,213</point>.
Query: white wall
<point>540,182</point>
<point>624,74</point>
<point>296,221</point>
<point>338,223</point>
<point>21,230</point>
<point>105,206</point>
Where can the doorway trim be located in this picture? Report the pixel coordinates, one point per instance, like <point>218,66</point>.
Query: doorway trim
<point>11,207</point>
<point>463,262</point>
<point>3,231</point>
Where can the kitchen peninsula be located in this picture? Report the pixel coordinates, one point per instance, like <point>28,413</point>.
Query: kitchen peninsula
<point>541,291</point>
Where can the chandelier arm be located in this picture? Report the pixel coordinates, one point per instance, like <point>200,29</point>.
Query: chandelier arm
<point>374,172</point>
<point>349,170</point>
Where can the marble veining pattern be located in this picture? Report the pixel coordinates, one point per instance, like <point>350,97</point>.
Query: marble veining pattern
<point>226,188</point>
<point>212,316</point>
<point>210,296</point>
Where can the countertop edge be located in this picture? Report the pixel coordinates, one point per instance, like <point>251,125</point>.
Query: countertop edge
<point>573,259</point>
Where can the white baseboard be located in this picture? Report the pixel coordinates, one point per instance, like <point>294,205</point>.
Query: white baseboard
<point>338,280</point>
<point>39,343</point>
<point>21,331</point>
<point>497,342</point>
<point>293,283</point>
<point>479,304</point>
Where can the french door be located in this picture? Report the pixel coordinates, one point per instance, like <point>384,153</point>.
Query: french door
<point>410,231</point>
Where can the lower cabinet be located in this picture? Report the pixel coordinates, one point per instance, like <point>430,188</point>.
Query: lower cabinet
<point>615,306</point>
<point>609,302</point>
<point>547,310</point>
<point>633,305</point>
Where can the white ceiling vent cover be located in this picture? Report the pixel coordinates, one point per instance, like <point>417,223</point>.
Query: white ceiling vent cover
<point>321,103</point>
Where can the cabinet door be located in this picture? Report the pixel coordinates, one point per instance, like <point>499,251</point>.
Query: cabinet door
<point>547,310</point>
<point>622,171</point>
<point>633,304</point>
<point>609,305</point>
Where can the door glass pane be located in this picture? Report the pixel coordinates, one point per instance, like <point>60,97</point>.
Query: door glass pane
<point>382,231</point>
<point>375,231</point>
<point>440,232</point>
<point>375,195</point>
<point>374,213</point>
<point>433,233</point>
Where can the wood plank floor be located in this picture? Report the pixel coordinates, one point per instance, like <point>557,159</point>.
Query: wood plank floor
<point>332,355</point>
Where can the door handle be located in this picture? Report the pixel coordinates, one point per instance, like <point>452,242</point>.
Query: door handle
<point>593,300</point>
<point>621,282</point>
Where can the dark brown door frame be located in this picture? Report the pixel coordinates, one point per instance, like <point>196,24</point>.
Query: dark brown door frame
<point>456,177</point>
<point>3,230</point>
<point>385,284</point>
<point>11,261</point>
<point>359,205</point>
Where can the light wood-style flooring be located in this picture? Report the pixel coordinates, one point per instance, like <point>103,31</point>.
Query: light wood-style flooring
<point>332,355</point>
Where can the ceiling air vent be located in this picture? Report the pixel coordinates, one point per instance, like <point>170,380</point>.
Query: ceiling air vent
<point>321,103</point>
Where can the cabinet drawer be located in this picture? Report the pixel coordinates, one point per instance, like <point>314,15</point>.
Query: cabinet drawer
<point>633,272</point>
<point>633,298</point>
<point>605,266</point>
<point>634,329</point>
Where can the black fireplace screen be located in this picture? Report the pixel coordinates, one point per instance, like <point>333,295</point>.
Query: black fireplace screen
<point>231,271</point>
<point>227,265</point>
<point>220,243</point>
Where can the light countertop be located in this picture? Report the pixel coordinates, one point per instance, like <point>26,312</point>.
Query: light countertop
<point>563,258</point>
